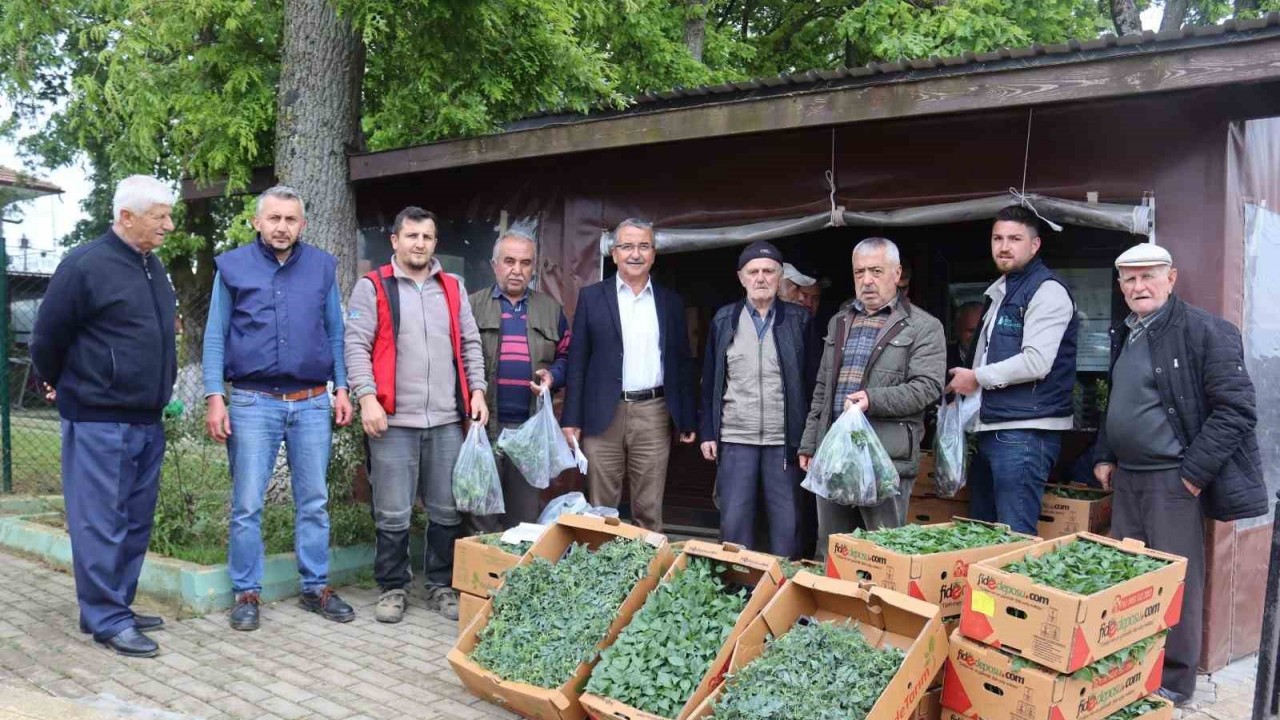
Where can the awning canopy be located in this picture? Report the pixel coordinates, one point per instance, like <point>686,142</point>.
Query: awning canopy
<point>1132,219</point>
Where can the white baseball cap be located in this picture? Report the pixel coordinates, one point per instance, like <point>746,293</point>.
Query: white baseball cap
<point>789,272</point>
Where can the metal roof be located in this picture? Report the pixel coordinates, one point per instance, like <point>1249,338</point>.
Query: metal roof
<point>16,185</point>
<point>1037,55</point>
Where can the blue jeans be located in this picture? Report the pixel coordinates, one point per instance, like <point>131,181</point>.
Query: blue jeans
<point>259,423</point>
<point>1006,480</point>
<point>110,480</point>
<point>751,476</point>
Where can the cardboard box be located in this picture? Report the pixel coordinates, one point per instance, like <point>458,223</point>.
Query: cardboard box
<point>1060,516</point>
<point>760,571</point>
<point>938,578</point>
<point>478,568</point>
<point>930,707</point>
<point>560,703</point>
<point>1065,631</point>
<point>468,607</point>
<point>926,480</point>
<point>1164,713</point>
<point>885,617</point>
<point>982,682</point>
<point>934,510</point>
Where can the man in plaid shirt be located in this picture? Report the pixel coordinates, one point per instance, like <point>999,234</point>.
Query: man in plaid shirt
<point>888,357</point>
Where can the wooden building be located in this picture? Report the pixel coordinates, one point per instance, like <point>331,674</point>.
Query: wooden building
<point>1171,137</point>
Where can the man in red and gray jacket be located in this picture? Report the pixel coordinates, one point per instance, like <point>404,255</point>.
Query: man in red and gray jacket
<point>415,365</point>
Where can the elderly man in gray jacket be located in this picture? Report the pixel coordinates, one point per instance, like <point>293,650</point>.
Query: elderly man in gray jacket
<point>415,365</point>
<point>888,357</point>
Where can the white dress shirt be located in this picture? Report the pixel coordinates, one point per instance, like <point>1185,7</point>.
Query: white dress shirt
<point>641,352</point>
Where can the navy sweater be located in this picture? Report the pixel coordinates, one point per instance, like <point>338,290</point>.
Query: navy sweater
<point>104,336</point>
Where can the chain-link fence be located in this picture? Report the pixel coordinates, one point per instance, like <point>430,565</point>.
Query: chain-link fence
<point>33,445</point>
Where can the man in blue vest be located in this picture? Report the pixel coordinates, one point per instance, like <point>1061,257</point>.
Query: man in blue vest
<point>275,333</point>
<point>1022,370</point>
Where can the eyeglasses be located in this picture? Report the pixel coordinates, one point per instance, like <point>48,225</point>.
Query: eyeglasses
<point>629,248</point>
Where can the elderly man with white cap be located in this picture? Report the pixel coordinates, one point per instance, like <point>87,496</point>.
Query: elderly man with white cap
<point>1178,443</point>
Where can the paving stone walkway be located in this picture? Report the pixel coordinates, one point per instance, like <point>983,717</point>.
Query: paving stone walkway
<point>297,666</point>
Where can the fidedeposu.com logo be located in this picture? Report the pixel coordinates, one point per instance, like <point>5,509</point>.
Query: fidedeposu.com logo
<point>999,586</point>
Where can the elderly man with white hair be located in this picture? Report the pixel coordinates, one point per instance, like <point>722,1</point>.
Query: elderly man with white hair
<point>104,340</point>
<point>1178,443</point>
<point>888,357</point>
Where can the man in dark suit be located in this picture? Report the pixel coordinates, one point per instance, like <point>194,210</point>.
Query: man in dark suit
<point>630,378</point>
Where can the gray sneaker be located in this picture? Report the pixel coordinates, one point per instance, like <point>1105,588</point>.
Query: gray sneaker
<point>391,606</point>
<point>443,600</point>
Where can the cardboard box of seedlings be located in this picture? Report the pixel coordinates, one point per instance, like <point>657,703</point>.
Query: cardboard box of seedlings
<point>933,510</point>
<point>983,682</point>
<point>755,570</point>
<point>560,703</point>
<point>478,566</point>
<point>938,578</point>
<point>468,607</point>
<point>1060,516</point>
<point>1163,712</point>
<point>1062,630</point>
<point>885,618</point>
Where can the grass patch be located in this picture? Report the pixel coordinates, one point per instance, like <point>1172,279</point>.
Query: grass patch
<point>36,455</point>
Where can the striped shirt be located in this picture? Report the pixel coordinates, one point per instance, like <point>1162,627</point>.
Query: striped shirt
<point>515,368</point>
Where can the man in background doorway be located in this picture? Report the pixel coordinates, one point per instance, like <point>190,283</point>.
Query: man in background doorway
<point>967,319</point>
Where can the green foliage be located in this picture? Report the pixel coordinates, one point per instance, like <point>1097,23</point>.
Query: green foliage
<point>1085,567</point>
<point>192,517</point>
<point>660,657</point>
<point>548,618</point>
<point>855,471</point>
<point>1072,493</point>
<point>495,540</point>
<point>818,671</point>
<point>790,569</point>
<point>929,539</point>
<point>1135,710</point>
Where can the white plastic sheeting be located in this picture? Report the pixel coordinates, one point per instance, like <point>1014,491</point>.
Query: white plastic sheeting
<point>1132,219</point>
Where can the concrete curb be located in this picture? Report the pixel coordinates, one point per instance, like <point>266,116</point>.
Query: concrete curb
<point>187,588</point>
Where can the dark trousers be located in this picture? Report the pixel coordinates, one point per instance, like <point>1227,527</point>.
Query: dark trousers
<point>1006,480</point>
<point>1156,508</point>
<point>834,518</point>
<point>407,463</point>
<point>110,480</point>
<point>753,477</point>
<point>522,500</point>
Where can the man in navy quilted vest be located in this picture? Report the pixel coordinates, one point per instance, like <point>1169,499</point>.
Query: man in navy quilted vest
<point>1022,370</point>
<point>275,334</point>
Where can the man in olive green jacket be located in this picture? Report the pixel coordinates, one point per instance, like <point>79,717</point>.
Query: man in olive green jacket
<point>888,357</point>
<point>525,340</point>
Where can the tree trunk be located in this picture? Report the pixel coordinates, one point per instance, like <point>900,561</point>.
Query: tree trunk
<point>1246,8</point>
<point>1126,18</point>
<point>1175,14</point>
<point>746,19</point>
<point>318,121</point>
<point>695,27</point>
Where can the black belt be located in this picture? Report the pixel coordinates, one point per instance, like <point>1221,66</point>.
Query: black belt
<point>642,395</point>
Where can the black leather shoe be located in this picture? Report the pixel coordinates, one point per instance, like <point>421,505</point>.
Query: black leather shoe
<point>142,622</point>
<point>1177,698</point>
<point>244,616</point>
<point>130,642</point>
<point>327,603</point>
